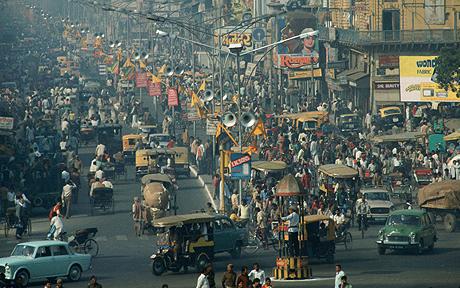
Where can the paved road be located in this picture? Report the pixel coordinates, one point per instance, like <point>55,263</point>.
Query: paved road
<point>123,259</point>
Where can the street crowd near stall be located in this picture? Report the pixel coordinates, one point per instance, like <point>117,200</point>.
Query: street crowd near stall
<point>101,137</point>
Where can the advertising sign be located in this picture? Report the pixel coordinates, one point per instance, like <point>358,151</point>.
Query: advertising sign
<point>416,81</point>
<point>240,165</point>
<point>141,80</point>
<point>234,35</point>
<point>192,113</point>
<point>6,123</point>
<point>304,74</point>
<point>297,53</point>
<point>386,85</point>
<point>211,126</point>
<point>173,99</point>
<point>154,89</point>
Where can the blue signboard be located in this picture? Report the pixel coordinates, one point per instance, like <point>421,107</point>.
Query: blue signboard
<point>240,165</point>
<point>258,34</point>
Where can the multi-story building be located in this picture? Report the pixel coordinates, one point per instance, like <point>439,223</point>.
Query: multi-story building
<point>372,38</point>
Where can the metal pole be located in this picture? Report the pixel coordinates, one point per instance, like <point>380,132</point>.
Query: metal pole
<point>193,80</point>
<point>222,182</point>
<point>240,184</point>
<point>140,35</point>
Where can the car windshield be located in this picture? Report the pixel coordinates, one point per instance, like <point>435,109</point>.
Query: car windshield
<point>378,196</point>
<point>23,250</point>
<point>411,220</point>
<point>161,138</point>
<point>392,111</point>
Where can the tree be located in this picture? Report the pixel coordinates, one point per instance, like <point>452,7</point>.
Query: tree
<point>448,69</point>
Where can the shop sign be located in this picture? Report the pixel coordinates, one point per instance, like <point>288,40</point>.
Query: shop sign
<point>386,85</point>
<point>6,123</point>
<point>388,61</point>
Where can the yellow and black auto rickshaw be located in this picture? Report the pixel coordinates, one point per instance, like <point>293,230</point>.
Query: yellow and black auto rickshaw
<point>149,161</point>
<point>181,161</point>
<point>129,146</point>
<point>186,241</point>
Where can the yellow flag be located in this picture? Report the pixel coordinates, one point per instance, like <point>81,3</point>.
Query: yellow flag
<point>235,98</point>
<point>195,100</point>
<point>259,129</point>
<point>142,65</point>
<point>202,86</point>
<point>128,63</point>
<point>155,79</point>
<point>162,69</point>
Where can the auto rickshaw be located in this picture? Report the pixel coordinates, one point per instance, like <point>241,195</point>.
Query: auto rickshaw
<point>349,123</point>
<point>150,161</point>
<point>319,237</point>
<point>185,241</point>
<point>390,116</point>
<point>146,130</point>
<point>312,121</point>
<point>181,161</point>
<point>129,146</point>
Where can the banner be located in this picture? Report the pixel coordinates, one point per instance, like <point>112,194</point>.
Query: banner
<point>154,89</point>
<point>173,99</point>
<point>417,75</point>
<point>141,79</point>
<point>240,165</point>
<point>6,123</point>
<point>297,53</point>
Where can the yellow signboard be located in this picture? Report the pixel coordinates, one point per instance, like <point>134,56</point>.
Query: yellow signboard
<point>416,81</point>
<point>304,74</point>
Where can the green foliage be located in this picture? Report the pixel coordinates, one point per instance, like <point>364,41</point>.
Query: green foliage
<point>448,69</point>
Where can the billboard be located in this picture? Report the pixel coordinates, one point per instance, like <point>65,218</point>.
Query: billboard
<point>297,53</point>
<point>416,81</point>
<point>234,35</point>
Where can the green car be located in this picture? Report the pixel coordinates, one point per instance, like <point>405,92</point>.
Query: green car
<point>407,230</point>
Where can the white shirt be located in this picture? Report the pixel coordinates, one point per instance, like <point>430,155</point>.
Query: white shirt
<point>67,190</point>
<point>99,174</point>
<point>339,220</point>
<point>202,281</point>
<point>100,149</point>
<point>293,222</point>
<point>63,145</point>
<point>65,176</point>
<point>257,274</point>
<point>338,278</point>
<point>107,184</point>
<point>94,167</point>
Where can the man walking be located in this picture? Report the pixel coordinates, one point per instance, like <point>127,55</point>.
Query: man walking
<point>66,196</point>
<point>339,273</point>
<point>229,277</point>
<point>137,216</point>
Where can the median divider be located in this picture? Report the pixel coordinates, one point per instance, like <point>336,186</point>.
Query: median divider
<point>206,182</point>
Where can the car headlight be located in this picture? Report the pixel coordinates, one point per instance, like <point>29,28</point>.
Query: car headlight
<point>412,237</point>
<point>381,235</point>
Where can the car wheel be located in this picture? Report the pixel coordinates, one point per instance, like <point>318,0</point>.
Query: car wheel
<point>74,273</point>
<point>158,266</point>
<point>419,248</point>
<point>382,250</point>
<point>236,252</point>
<point>449,222</point>
<point>23,277</point>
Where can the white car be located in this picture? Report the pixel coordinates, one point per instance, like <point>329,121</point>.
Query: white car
<point>162,139</point>
<point>379,203</point>
<point>40,260</point>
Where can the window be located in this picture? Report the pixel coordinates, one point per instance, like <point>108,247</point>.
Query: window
<point>43,252</point>
<point>226,224</point>
<point>59,250</point>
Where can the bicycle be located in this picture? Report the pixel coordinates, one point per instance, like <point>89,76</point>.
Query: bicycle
<point>362,222</point>
<point>256,240</point>
<point>82,241</point>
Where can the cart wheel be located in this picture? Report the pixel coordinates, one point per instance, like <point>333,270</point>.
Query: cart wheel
<point>29,227</point>
<point>348,241</point>
<point>450,222</point>
<point>6,228</point>
<point>91,247</point>
<point>202,261</point>
<point>158,266</point>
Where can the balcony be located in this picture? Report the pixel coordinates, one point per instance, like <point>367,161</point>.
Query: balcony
<point>371,38</point>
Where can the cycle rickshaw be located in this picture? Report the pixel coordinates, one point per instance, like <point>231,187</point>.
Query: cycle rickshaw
<point>102,199</point>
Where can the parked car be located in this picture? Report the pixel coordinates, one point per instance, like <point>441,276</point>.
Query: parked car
<point>40,260</point>
<point>407,230</point>
<point>379,203</point>
<point>162,139</point>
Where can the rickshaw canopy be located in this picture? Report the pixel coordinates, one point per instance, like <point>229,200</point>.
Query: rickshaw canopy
<point>149,178</point>
<point>181,156</point>
<point>400,137</point>
<point>453,136</point>
<point>441,195</point>
<point>180,220</point>
<point>288,186</point>
<point>131,136</point>
<point>338,171</point>
<point>269,165</point>
<point>315,218</point>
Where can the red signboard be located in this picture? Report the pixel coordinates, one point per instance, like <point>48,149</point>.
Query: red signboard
<point>240,161</point>
<point>141,80</point>
<point>173,99</point>
<point>154,89</point>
